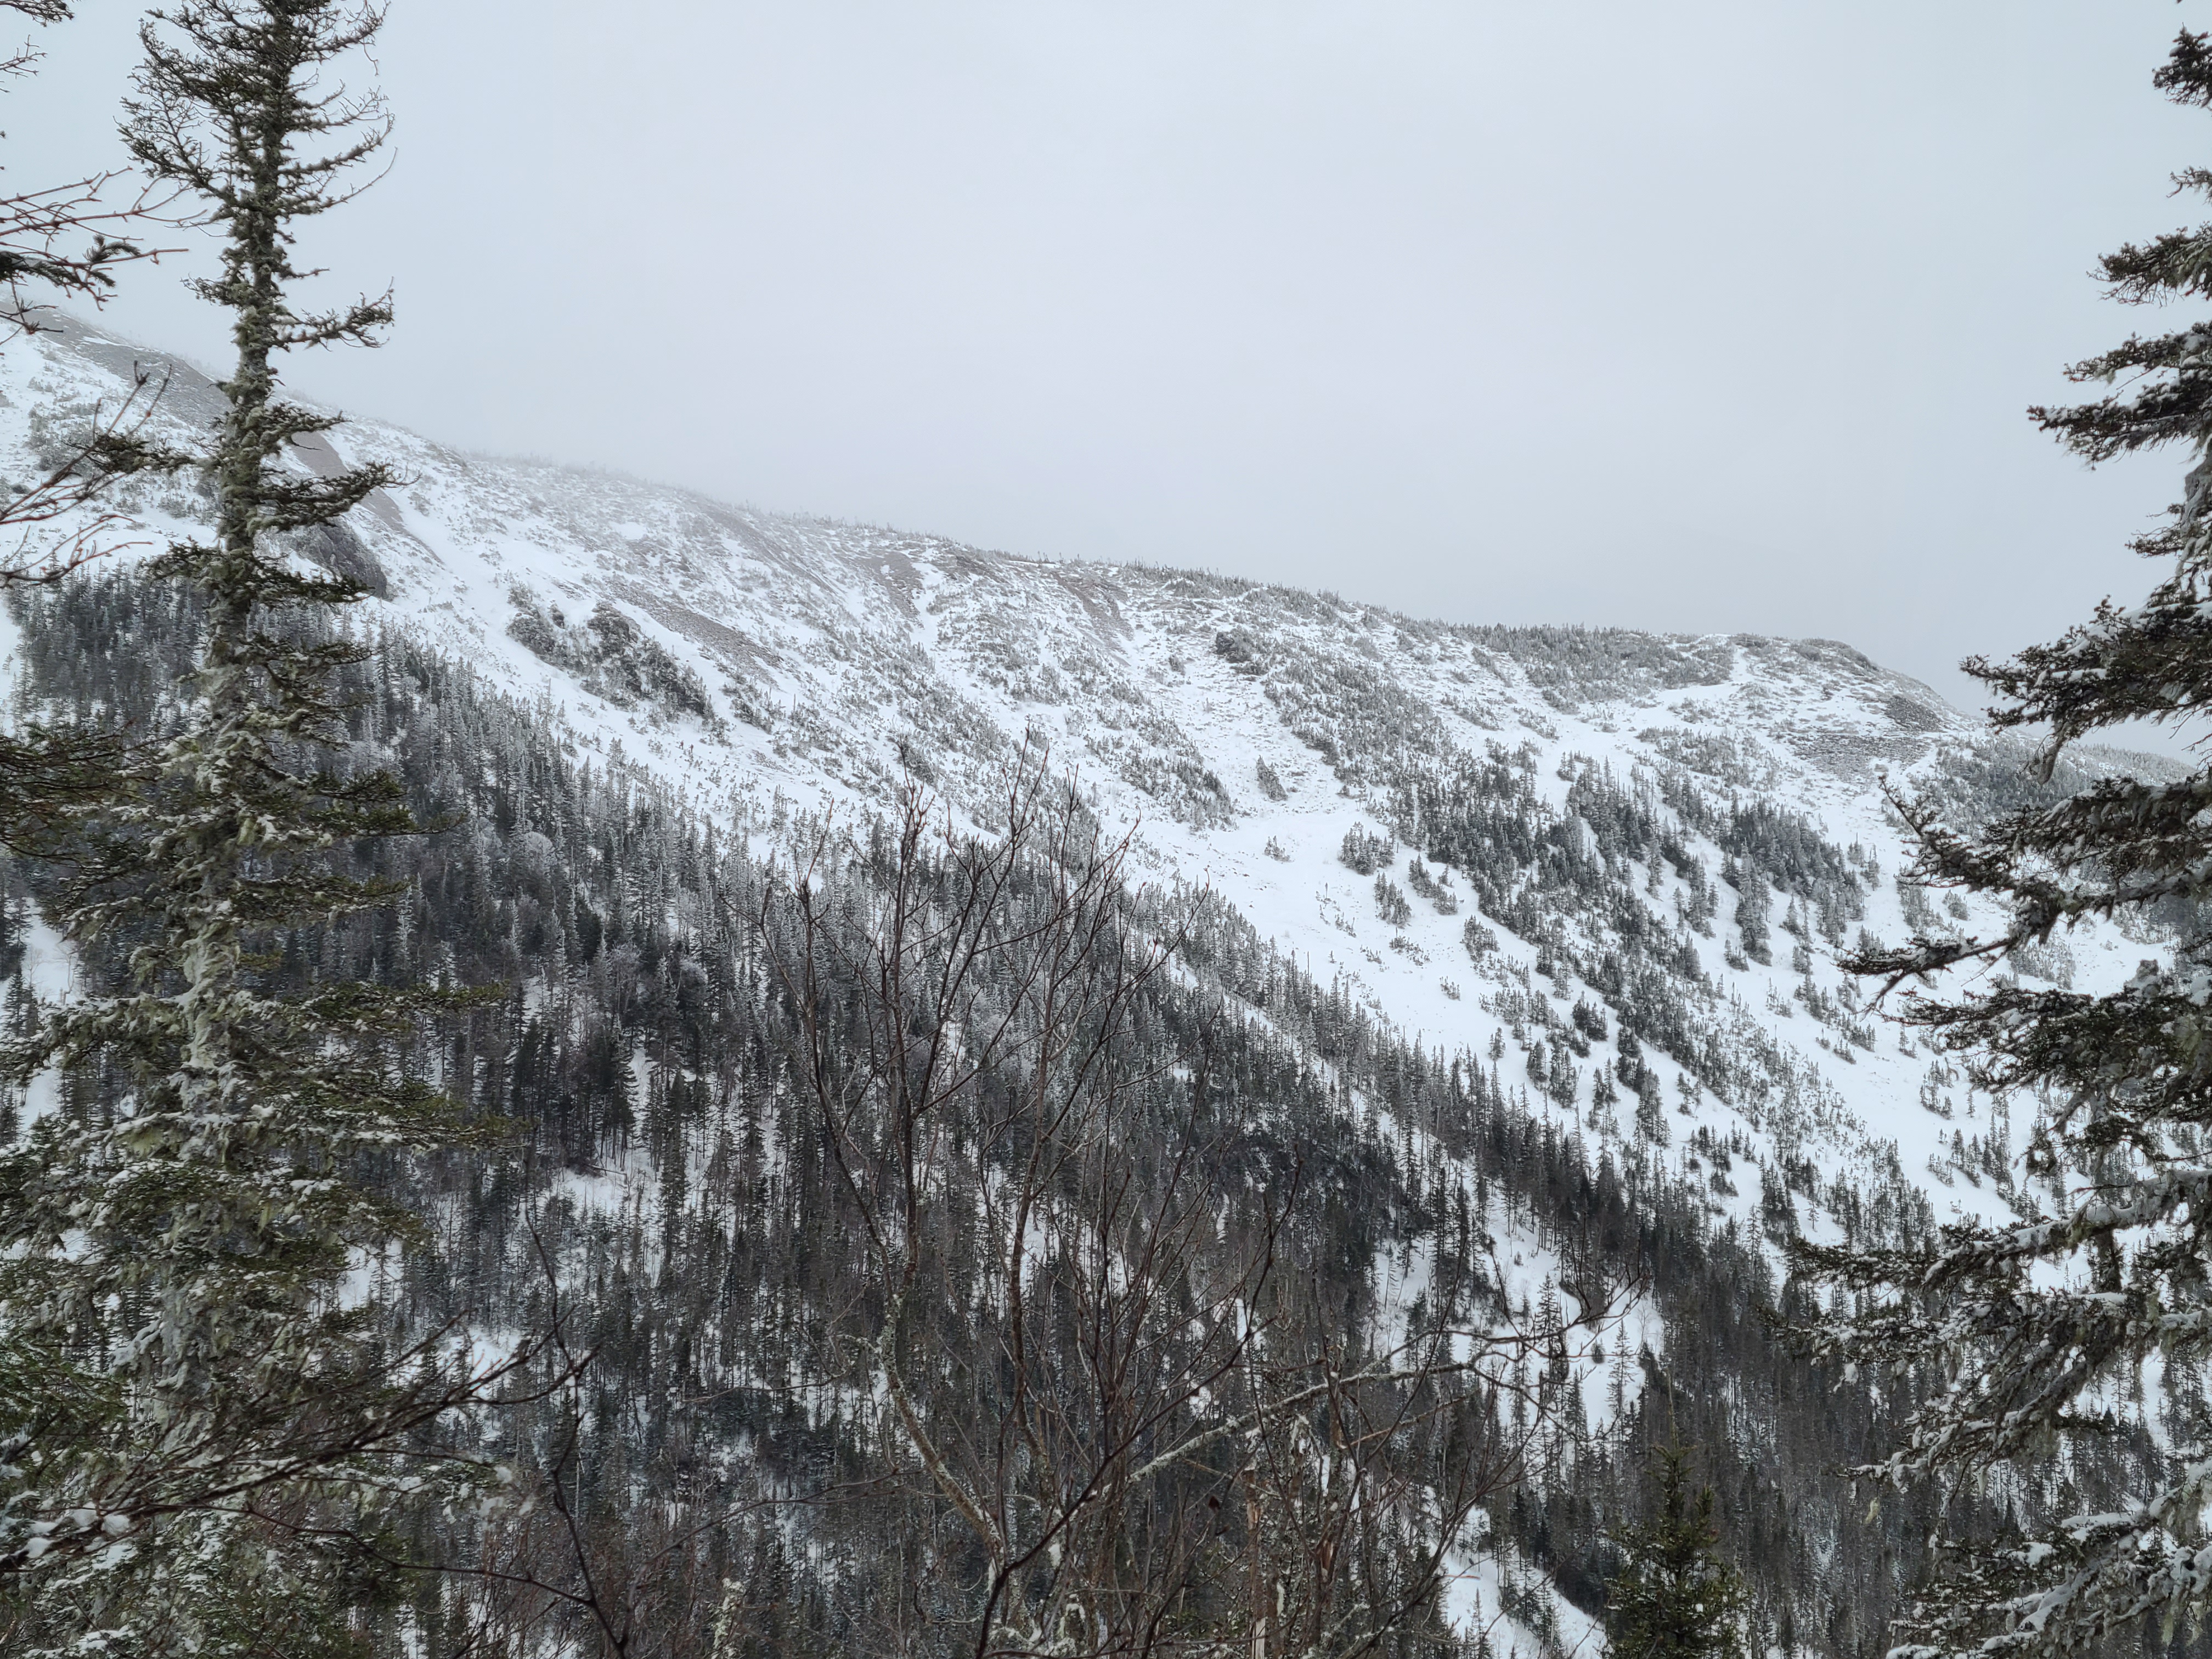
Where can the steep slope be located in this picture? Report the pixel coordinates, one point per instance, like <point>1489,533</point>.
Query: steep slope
<point>1602,874</point>
<point>1248,729</point>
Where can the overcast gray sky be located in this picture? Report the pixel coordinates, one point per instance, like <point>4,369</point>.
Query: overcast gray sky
<point>1679,314</point>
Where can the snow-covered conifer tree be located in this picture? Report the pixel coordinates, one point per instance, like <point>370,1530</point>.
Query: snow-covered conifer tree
<point>199,1429</point>
<point>1675,1597</point>
<point>2037,1332</point>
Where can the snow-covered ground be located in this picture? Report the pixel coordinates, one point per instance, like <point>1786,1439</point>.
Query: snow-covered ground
<point>743,656</point>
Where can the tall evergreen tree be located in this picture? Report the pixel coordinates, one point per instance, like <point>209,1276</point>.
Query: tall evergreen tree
<point>199,1421</point>
<point>2034,1334</point>
<point>1675,1597</point>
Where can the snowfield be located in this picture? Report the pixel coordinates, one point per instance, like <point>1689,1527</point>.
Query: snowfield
<point>1253,738</point>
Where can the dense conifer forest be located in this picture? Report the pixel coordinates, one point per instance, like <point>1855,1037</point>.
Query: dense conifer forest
<point>723,1428</point>
<point>588,1071</point>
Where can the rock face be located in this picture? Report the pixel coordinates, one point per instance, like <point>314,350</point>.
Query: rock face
<point>1611,870</point>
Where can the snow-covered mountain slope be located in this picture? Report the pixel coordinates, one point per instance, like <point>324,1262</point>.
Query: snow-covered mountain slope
<point>1536,845</point>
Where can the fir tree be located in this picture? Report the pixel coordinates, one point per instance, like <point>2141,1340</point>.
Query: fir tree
<point>2034,1332</point>
<point>1675,1597</point>
<point>219,1432</point>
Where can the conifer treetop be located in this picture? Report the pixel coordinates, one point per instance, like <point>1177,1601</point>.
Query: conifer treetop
<point>181,1250</point>
<point>1675,1597</point>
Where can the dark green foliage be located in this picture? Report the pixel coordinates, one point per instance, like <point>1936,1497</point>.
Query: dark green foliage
<point>1675,1595</point>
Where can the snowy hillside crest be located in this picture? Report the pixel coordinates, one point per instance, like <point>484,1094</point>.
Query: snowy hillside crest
<point>1608,873</point>
<point>1248,729</point>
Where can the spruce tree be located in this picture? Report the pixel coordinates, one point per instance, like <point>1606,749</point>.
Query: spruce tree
<point>201,1434</point>
<point>2026,1341</point>
<point>1675,1597</point>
